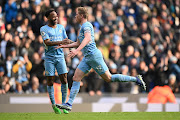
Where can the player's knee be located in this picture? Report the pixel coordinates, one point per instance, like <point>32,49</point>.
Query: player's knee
<point>50,82</point>
<point>63,78</point>
<point>76,78</point>
<point>107,79</point>
<point>64,81</point>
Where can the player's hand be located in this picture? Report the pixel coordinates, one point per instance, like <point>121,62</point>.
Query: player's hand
<point>60,46</point>
<point>73,53</point>
<point>66,41</point>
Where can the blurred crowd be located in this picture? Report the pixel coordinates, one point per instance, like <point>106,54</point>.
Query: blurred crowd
<point>135,37</point>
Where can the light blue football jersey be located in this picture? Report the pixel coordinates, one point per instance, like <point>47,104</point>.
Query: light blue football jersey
<point>90,48</point>
<point>54,34</point>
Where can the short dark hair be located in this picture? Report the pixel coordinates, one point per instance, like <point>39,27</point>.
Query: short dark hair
<point>47,13</point>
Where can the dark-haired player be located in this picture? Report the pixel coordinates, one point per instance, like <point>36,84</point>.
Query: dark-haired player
<point>54,34</point>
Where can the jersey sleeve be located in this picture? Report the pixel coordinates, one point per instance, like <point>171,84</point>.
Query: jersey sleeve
<point>44,33</point>
<point>87,29</point>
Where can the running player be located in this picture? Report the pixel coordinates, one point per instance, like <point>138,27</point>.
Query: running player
<point>92,59</point>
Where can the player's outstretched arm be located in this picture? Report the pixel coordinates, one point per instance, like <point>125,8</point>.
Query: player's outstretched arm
<point>67,41</point>
<point>52,43</point>
<point>74,44</point>
<point>85,41</point>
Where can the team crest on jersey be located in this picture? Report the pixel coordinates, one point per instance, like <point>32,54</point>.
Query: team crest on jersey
<point>43,33</point>
<point>60,30</point>
<point>99,68</point>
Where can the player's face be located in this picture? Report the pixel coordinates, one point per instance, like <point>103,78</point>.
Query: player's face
<point>53,18</point>
<point>78,17</point>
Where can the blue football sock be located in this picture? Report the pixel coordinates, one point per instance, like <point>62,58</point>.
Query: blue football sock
<point>122,78</point>
<point>50,90</point>
<point>64,89</point>
<point>74,91</point>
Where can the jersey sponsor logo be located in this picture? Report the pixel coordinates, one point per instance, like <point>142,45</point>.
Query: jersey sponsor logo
<point>56,38</point>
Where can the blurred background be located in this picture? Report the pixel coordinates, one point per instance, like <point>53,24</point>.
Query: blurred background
<point>135,37</point>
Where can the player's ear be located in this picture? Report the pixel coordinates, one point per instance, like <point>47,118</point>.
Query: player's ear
<point>82,16</point>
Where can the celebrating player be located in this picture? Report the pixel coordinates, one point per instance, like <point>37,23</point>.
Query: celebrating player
<point>92,59</point>
<point>54,34</point>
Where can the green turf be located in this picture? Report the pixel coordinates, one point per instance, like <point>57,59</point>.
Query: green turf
<point>92,116</point>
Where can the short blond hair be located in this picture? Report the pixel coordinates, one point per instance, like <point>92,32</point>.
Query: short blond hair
<point>83,11</point>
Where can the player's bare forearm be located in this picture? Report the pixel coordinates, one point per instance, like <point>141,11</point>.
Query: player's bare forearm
<point>85,41</point>
<point>67,41</point>
<point>72,45</point>
<point>52,43</point>
<point>71,41</point>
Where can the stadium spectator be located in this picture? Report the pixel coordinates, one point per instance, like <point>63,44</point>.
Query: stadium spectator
<point>34,85</point>
<point>161,94</point>
<point>37,72</point>
<point>174,67</point>
<point>11,11</point>
<point>94,83</point>
<point>36,22</point>
<point>26,9</point>
<point>18,45</point>
<point>2,24</point>
<point>124,87</point>
<point>143,70</point>
<point>4,82</point>
<point>21,69</point>
<point>6,45</point>
<point>134,87</point>
<point>27,49</point>
<point>173,83</point>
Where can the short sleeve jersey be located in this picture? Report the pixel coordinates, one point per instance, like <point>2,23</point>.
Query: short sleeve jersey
<point>90,48</point>
<point>54,34</point>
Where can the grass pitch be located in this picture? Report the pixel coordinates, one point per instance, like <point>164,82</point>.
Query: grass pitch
<point>93,116</point>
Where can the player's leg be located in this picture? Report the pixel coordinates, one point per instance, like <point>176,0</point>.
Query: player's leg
<point>78,75</point>
<point>99,65</point>
<point>49,72</point>
<point>123,78</point>
<point>108,77</point>
<point>62,72</point>
<point>50,89</point>
<point>64,89</point>
<point>82,69</point>
<point>64,86</point>
<point>80,72</point>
